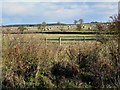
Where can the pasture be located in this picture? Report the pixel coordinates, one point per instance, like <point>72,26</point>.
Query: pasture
<point>50,28</point>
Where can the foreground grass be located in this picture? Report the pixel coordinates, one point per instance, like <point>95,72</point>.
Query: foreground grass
<point>29,63</point>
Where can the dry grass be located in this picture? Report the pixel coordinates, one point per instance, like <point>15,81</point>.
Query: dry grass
<point>27,58</point>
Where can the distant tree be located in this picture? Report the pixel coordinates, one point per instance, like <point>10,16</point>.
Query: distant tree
<point>44,23</point>
<point>80,21</point>
<point>75,21</point>
<point>79,26</point>
<point>42,26</point>
<point>94,22</point>
<point>58,23</point>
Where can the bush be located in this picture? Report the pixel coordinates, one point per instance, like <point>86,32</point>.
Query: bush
<point>41,82</point>
<point>63,69</point>
<point>98,68</point>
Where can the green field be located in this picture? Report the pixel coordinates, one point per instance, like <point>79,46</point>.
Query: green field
<point>60,37</point>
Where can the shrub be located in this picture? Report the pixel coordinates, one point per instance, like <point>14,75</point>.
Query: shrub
<point>41,82</point>
<point>84,65</point>
<point>98,68</point>
<point>63,69</point>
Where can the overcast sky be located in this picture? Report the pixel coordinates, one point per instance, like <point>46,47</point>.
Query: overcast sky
<point>36,12</point>
<point>60,0</point>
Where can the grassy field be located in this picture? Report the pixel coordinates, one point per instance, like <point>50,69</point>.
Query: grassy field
<point>54,60</point>
<point>62,37</point>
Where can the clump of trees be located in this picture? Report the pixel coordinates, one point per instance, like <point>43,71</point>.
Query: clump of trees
<point>42,26</point>
<point>78,23</point>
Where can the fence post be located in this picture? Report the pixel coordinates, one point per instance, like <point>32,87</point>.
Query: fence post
<point>84,38</point>
<point>60,41</point>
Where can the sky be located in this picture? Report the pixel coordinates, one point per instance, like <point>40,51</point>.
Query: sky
<point>29,12</point>
<point>60,0</point>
